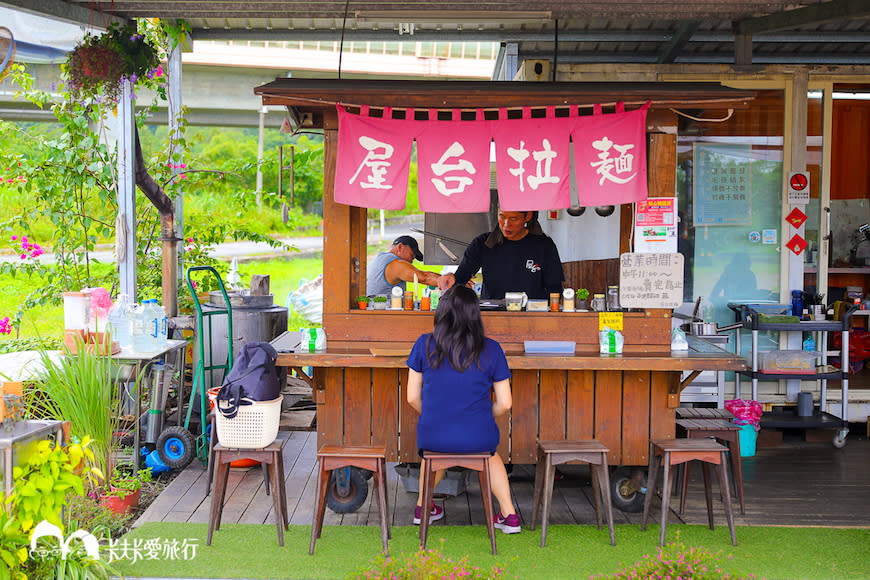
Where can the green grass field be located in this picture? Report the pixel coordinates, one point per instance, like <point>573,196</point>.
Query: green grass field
<point>572,551</point>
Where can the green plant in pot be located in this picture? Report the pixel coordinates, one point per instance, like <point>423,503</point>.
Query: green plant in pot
<point>124,489</point>
<point>582,296</point>
<point>98,65</point>
<point>363,302</point>
<point>379,302</point>
<point>83,390</point>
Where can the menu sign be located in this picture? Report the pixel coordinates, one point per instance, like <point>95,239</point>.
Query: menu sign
<point>722,179</point>
<point>650,280</point>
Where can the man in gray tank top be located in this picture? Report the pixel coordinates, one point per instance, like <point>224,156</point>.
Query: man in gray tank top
<point>395,268</point>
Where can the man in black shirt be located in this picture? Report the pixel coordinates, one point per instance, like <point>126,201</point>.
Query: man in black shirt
<point>515,257</point>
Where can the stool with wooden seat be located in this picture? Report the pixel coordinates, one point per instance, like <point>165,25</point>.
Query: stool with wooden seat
<point>553,453</point>
<point>371,458</point>
<point>670,452</point>
<point>726,432</point>
<point>703,413</point>
<point>272,460</point>
<point>478,462</point>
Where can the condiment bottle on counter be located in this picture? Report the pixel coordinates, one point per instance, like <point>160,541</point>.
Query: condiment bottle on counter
<point>568,300</point>
<point>598,303</point>
<point>396,298</point>
<point>425,299</point>
<point>409,300</point>
<point>434,296</point>
<point>554,302</point>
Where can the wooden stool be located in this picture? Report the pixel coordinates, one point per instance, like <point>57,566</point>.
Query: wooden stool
<point>553,453</point>
<point>271,458</point>
<point>727,433</point>
<point>363,457</point>
<point>674,452</point>
<point>478,462</point>
<point>703,413</point>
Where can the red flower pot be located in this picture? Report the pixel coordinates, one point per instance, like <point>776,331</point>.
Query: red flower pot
<point>121,505</point>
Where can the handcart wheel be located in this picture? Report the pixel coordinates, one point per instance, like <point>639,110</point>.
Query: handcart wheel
<point>347,490</point>
<point>839,440</point>
<point>176,447</point>
<point>627,490</point>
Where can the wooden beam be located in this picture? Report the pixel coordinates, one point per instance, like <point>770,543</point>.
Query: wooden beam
<point>66,12</point>
<point>680,38</point>
<point>809,15</point>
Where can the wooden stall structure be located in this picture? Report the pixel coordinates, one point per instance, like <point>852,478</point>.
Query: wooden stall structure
<point>359,382</point>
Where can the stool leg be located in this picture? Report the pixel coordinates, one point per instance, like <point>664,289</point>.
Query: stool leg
<point>596,491</point>
<point>382,500</point>
<point>539,486</point>
<point>282,489</point>
<point>723,482</point>
<point>276,496</point>
<point>684,485</point>
<point>737,469</point>
<point>383,464</point>
<point>317,523</point>
<point>666,495</point>
<point>265,469</point>
<point>708,492</point>
<point>428,484</point>
<point>549,480</point>
<point>604,489</point>
<point>217,501</point>
<point>654,462</point>
<point>486,492</point>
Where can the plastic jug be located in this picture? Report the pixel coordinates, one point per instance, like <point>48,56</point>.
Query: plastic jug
<point>141,340</point>
<point>119,323</point>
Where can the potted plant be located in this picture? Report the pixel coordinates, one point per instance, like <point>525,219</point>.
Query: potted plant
<point>124,489</point>
<point>362,302</point>
<point>379,302</point>
<point>98,65</point>
<point>582,295</point>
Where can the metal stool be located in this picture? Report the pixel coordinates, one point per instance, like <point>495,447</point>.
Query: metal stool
<point>363,457</point>
<point>271,458</point>
<point>725,432</point>
<point>553,453</point>
<point>478,462</point>
<point>672,452</point>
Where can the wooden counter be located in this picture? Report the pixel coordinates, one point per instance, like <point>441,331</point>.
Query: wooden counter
<point>622,400</point>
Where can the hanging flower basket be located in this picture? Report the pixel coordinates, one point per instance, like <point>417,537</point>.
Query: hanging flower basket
<point>98,65</point>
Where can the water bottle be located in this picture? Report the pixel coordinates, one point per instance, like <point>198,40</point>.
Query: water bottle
<point>162,328</point>
<point>119,322</point>
<point>152,323</point>
<point>141,341</point>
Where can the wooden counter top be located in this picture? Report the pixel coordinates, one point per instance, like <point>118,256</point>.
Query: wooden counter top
<point>702,357</point>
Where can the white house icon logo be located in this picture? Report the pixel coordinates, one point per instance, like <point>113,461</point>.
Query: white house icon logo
<point>46,529</point>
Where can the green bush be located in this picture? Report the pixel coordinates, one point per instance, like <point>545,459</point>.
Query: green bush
<point>676,560</point>
<point>425,565</point>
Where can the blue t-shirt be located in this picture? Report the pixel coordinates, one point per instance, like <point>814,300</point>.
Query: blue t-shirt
<point>456,412</point>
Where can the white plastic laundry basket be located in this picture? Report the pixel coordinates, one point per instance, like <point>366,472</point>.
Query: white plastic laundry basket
<point>255,426</point>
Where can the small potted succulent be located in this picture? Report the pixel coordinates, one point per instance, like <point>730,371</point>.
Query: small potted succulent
<point>379,303</point>
<point>582,295</point>
<point>363,302</point>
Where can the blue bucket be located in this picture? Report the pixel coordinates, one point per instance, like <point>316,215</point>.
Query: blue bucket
<point>748,437</point>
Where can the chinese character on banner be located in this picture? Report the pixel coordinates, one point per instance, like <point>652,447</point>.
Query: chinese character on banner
<point>610,157</point>
<point>453,165</point>
<point>797,244</point>
<point>532,161</point>
<point>373,160</point>
<point>796,218</point>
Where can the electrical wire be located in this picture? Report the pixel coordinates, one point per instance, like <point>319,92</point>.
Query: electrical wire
<point>702,120</point>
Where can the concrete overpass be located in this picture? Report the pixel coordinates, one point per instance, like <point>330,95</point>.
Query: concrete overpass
<point>218,78</point>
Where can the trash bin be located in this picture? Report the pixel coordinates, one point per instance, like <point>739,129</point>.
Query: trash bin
<point>748,439</point>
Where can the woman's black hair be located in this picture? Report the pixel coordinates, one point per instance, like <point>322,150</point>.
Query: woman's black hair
<point>458,334</point>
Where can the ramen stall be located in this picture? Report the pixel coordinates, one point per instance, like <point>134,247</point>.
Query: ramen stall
<point>359,380</point>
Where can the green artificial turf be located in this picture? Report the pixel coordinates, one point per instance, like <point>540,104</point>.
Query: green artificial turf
<point>252,551</point>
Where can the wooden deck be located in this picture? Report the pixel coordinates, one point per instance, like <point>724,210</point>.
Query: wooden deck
<point>794,484</point>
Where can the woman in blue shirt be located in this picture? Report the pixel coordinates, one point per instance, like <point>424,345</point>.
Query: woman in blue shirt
<point>452,372</point>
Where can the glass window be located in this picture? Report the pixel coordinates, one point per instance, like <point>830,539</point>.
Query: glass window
<point>729,184</point>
